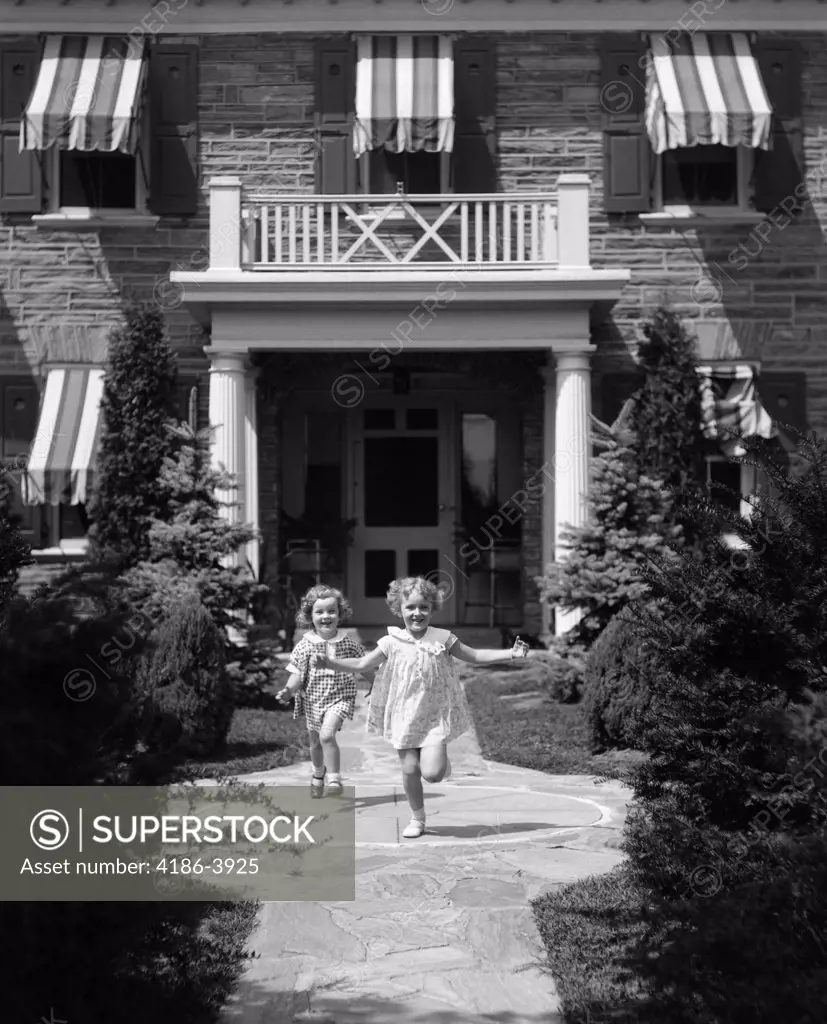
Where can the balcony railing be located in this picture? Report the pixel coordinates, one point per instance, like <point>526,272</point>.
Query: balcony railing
<point>517,231</point>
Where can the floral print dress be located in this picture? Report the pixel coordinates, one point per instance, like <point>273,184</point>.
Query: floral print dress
<point>323,689</point>
<point>417,697</point>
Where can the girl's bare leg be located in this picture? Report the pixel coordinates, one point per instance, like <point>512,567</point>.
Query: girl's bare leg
<point>434,762</point>
<point>330,748</point>
<point>412,780</point>
<point>316,752</point>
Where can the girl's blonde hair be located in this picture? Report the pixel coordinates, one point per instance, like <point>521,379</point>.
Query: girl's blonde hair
<point>400,590</point>
<point>304,616</point>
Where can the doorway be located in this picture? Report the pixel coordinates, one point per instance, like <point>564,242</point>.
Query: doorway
<point>402,495</point>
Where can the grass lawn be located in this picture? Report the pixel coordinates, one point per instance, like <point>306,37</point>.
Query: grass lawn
<point>589,929</point>
<point>533,733</point>
<point>259,739</point>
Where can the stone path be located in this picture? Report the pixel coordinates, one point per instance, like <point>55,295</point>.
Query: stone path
<point>441,930</point>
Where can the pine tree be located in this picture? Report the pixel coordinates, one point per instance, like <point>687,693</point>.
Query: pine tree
<point>189,545</point>
<point>723,815</point>
<point>139,398</point>
<point>629,522</point>
<point>666,414</point>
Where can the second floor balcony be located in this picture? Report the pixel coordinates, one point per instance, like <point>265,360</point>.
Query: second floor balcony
<point>508,246</point>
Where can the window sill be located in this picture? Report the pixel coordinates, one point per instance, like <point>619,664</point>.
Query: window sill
<point>685,215</point>
<point>67,550</point>
<point>88,220</point>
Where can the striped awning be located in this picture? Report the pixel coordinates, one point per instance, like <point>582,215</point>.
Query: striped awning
<point>730,404</point>
<point>87,96</point>
<point>404,94</point>
<point>705,91</point>
<point>64,452</point>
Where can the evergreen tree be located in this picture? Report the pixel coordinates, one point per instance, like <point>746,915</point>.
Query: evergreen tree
<point>725,838</point>
<point>190,545</point>
<point>629,522</point>
<point>14,551</point>
<point>139,398</point>
<point>666,414</point>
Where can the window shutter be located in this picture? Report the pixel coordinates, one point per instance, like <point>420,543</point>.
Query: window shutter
<point>784,396</point>
<point>779,171</point>
<point>173,97</point>
<point>475,111</point>
<point>21,181</point>
<point>335,109</point>
<point>627,155</point>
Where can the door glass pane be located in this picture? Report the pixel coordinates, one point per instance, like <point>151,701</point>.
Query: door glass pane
<point>380,419</point>
<point>380,570</point>
<point>401,481</point>
<point>422,419</point>
<point>424,563</point>
<point>323,482</point>
<point>479,469</point>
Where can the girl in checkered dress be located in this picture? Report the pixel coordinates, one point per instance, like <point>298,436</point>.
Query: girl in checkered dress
<point>326,696</point>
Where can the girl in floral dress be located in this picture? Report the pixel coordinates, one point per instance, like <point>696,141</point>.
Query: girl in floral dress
<point>326,697</point>
<point>418,703</point>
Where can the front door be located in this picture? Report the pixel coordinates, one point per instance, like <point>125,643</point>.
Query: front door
<point>403,499</point>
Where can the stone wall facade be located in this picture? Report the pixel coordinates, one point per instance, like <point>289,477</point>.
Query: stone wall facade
<point>61,290</point>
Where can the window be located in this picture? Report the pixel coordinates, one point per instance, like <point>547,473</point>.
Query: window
<point>705,177</point>
<point>42,526</point>
<point>96,181</point>
<point>736,477</point>
<point>418,173</point>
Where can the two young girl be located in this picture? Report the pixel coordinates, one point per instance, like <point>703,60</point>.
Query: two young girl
<point>417,701</point>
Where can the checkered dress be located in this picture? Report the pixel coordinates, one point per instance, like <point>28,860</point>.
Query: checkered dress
<point>324,690</point>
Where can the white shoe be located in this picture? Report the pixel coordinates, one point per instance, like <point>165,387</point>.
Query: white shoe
<point>414,829</point>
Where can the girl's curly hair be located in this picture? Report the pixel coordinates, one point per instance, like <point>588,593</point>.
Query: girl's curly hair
<point>304,616</point>
<point>400,590</point>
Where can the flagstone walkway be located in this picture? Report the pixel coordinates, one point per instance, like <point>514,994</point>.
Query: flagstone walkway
<point>441,930</point>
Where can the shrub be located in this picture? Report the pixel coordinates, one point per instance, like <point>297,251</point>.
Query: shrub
<point>68,712</point>
<point>186,675</point>
<point>616,685</point>
<point>724,838</point>
<point>256,673</point>
<point>14,551</point>
<point>139,397</point>
<point>566,660</point>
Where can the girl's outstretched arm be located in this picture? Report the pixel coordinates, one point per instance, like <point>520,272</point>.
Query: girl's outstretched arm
<point>369,663</point>
<point>465,653</point>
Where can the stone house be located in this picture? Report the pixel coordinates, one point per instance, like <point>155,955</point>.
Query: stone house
<point>403,250</point>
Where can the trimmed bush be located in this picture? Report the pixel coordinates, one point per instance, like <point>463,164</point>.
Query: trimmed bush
<point>187,677</point>
<point>616,685</point>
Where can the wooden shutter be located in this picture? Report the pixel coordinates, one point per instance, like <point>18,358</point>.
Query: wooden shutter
<point>475,108</point>
<point>779,171</point>
<point>335,110</point>
<point>21,180</point>
<point>173,97</point>
<point>784,396</point>
<point>627,155</point>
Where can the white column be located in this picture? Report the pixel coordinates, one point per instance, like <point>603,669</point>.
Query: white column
<point>549,405</point>
<point>227,416</point>
<point>251,467</point>
<point>571,459</point>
